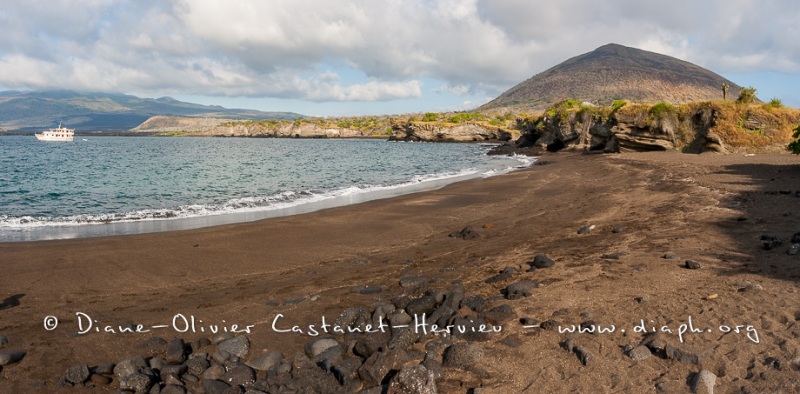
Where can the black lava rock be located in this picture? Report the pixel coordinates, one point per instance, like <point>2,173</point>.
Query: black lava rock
<point>520,289</point>
<point>542,261</point>
<point>506,273</point>
<point>499,314</point>
<point>175,353</point>
<point>691,264</point>
<point>475,302</point>
<point>461,355</point>
<point>466,233</point>
<point>10,356</point>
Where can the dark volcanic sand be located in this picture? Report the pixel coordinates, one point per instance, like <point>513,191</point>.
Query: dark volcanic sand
<point>710,209</point>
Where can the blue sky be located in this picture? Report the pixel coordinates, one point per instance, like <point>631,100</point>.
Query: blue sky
<point>360,57</point>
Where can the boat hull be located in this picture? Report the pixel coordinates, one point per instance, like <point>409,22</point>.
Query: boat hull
<point>45,137</point>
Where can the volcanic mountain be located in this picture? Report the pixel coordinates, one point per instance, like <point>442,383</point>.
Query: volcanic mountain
<point>614,72</point>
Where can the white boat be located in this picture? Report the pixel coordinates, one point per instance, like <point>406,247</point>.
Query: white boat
<point>58,134</point>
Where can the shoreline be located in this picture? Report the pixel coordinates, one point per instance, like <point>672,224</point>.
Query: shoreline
<point>262,198</point>
<point>317,264</point>
<point>332,199</point>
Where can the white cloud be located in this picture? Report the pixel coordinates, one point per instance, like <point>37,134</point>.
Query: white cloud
<point>287,48</point>
<point>328,87</point>
<point>458,90</point>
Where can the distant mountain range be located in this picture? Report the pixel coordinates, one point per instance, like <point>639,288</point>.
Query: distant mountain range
<point>36,110</point>
<point>614,72</point>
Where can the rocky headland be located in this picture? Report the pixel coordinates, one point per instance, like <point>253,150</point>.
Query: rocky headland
<point>710,126</point>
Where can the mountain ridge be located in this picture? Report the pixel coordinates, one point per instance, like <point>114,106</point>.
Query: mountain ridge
<point>84,111</point>
<point>615,72</point>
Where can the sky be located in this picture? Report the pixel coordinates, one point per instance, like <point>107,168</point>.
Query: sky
<point>369,57</point>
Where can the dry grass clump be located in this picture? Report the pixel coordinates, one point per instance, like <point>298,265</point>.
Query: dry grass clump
<point>755,126</point>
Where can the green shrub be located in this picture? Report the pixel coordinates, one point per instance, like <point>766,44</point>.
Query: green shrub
<point>462,117</point>
<point>430,117</point>
<point>660,109</point>
<point>617,104</point>
<point>794,146</point>
<point>562,108</point>
<point>776,103</point>
<point>747,96</point>
<point>496,121</point>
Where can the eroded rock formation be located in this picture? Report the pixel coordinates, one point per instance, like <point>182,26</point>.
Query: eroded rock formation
<point>630,131</point>
<point>433,132</point>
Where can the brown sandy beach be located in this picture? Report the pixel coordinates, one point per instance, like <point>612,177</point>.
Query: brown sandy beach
<point>711,209</point>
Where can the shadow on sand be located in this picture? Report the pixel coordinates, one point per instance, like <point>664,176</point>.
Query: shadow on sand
<point>770,205</point>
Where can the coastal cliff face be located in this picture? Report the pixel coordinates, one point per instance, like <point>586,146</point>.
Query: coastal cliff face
<point>706,126</point>
<point>394,130</point>
<point>284,130</point>
<point>175,125</point>
<point>692,128</point>
<point>433,132</point>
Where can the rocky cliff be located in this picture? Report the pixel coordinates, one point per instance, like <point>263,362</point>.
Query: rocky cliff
<point>721,127</point>
<point>436,132</point>
<point>178,124</point>
<point>398,129</point>
<point>175,125</point>
<point>284,130</point>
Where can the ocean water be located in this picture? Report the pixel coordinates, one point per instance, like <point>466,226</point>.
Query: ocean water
<point>121,185</point>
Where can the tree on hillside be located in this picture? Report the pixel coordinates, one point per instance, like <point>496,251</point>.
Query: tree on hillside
<point>747,96</point>
<point>725,88</point>
<point>794,146</point>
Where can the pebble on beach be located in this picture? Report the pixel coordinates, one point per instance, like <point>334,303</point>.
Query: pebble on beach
<point>10,356</point>
<point>691,264</point>
<point>703,382</point>
<point>77,374</point>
